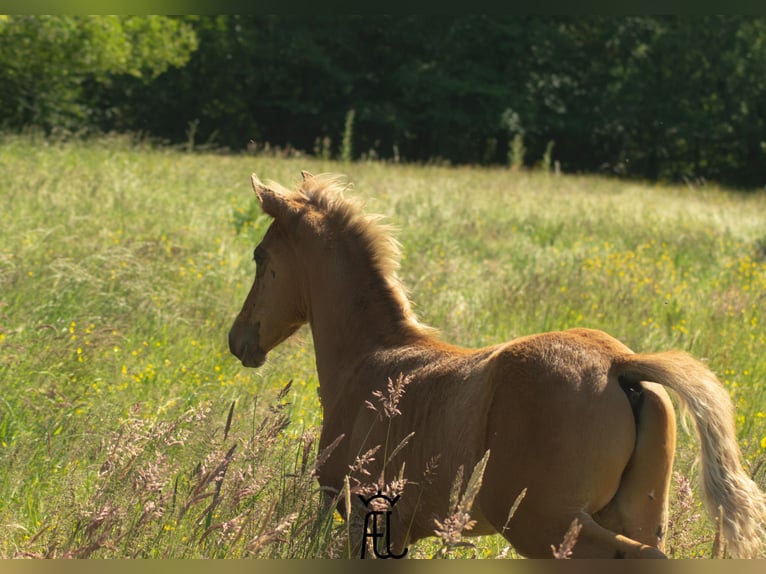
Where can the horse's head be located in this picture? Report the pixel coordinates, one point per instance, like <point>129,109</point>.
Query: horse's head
<point>275,306</point>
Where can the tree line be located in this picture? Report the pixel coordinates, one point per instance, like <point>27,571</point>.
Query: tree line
<point>677,98</point>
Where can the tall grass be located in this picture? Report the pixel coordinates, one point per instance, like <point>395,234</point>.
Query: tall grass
<point>122,266</point>
<point>347,145</point>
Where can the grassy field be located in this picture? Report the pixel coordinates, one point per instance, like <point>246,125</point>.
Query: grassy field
<point>127,429</point>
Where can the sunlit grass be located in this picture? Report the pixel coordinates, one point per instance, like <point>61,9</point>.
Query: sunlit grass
<point>122,267</point>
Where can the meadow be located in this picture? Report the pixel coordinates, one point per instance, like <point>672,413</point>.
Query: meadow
<point>128,430</point>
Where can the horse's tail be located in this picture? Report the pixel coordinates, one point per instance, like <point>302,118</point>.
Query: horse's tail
<point>725,484</point>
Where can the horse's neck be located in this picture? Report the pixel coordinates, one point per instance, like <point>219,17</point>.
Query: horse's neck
<point>352,315</point>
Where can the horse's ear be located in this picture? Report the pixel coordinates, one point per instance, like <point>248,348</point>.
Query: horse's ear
<point>272,202</point>
<point>306,175</point>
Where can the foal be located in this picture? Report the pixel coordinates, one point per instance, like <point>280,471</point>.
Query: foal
<point>575,417</point>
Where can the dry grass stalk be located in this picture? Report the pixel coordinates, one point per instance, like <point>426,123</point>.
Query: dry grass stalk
<point>398,448</point>
<point>683,518</point>
<point>514,508</point>
<point>323,456</point>
<point>389,402</point>
<point>218,475</point>
<point>272,426</point>
<point>361,461</point>
<point>231,528</point>
<point>450,529</point>
<point>394,487</point>
<point>205,478</point>
<point>276,534</point>
<point>565,549</point>
<point>228,421</point>
<point>308,438</point>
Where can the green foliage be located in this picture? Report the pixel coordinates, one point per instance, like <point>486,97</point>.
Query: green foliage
<point>655,97</point>
<point>46,60</point>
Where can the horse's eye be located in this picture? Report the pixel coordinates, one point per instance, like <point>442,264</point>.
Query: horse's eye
<point>258,256</point>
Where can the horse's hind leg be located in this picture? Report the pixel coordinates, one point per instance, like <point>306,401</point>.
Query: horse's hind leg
<point>639,510</point>
<point>595,541</point>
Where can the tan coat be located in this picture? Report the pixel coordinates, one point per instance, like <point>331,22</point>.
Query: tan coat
<point>575,418</point>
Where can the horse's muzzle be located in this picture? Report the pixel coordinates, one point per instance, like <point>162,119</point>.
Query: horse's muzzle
<point>246,349</point>
<point>253,360</point>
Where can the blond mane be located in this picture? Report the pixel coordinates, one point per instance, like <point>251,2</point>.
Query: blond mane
<point>326,195</point>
